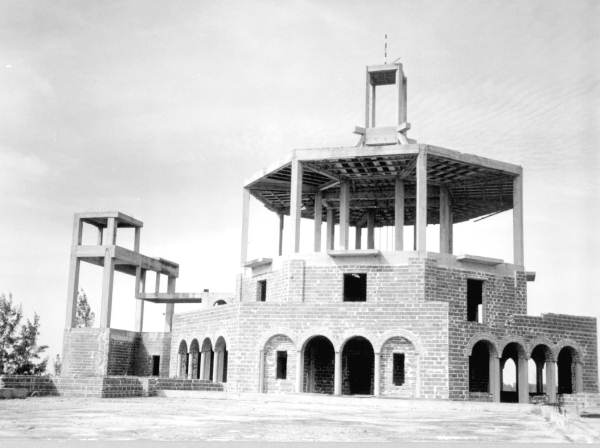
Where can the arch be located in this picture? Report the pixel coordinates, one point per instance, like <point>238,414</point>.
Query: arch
<point>568,343</point>
<point>206,359</point>
<point>514,351</point>
<point>356,333</point>
<point>539,341</point>
<point>514,340</point>
<point>279,364</point>
<point>194,359</point>
<point>540,355</point>
<point>358,361</point>
<point>219,302</point>
<point>182,359</point>
<point>220,360</point>
<point>402,333</point>
<point>318,360</point>
<point>488,337</point>
<point>399,367</point>
<point>568,364</point>
<point>271,333</point>
<point>482,362</point>
<point>306,336</point>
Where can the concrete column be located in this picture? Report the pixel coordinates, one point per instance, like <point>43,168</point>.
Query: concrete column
<point>139,304</point>
<point>367,99</point>
<point>318,217</point>
<point>111,232</point>
<point>399,215</point>
<point>578,386</point>
<point>344,215</point>
<point>539,377</point>
<point>296,203</point>
<point>169,307</point>
<point>371,229</point>
<point>245,225</point>
<point>373,105</point>
<point>523,380</point>
<point>280,251</point>
<point>216,367</point>
<point>136,239</point>
<point>551,381</point>
<point>190,366</point>
<point>261,371</point>
<point>494,378</point>
<point>358,237</point>
<point>337,374</point>
<point>445,221</point>
<point>421,212</point>
<point>401,86</point>
<point>73,283</point>
<point>518,255</point>
<point>202,365</point>
<point>99,240</point>
<point>330,230</point>
<point>299,370</point>
<point>377,375</point>
<point>107,289</point>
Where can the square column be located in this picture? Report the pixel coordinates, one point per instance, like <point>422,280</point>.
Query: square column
<point>280,251</point>
<point>523,380</point>
<point>139,304</point>
<point>245,216</point>
<point>399,215</point>
<point>358,237</point>
<point>261,371</point>
<point>421,212</point>
<point>377,374</point>
<point>299,370</point>
<point>445,221</point>
<point>296,203</point>
<point>108,275</point>
<point>551,381</point>
<point>330,230</point>
<point>318,221</point>
<point>169,307</point>
<point>494,378</point>
<point>337,373</point>
<point>202,366</point>
<point>73,285</point>
<point>344,215</point>
<point>371,229</point>
<point>518,255</point>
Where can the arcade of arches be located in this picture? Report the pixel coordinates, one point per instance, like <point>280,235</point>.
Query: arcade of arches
<point>515,375</point>
<point>203,362</point>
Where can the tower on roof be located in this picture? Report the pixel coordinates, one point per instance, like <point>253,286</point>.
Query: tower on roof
<point>371,134</point>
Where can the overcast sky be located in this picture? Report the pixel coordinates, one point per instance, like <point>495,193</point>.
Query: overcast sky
<point>162,109</point>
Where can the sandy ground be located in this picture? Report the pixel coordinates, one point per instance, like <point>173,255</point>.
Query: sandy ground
<point>251,417</point>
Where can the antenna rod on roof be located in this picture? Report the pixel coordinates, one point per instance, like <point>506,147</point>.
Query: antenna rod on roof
<point>385,50</point>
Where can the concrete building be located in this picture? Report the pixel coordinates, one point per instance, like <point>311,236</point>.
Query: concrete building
<point>351,317</point>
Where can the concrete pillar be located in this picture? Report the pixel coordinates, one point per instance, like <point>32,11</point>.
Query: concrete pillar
<point>377,374</point>
<point>280,251</point>
<point>358,237</point>
<point>495,383</point>
<point>523,380</point>
<point>136,239</point>
<point>169,307</point>
<point>551,381</point>
<point>337,374</point>
<point>296,203</point>
<point>578,386</point>
<point>107,289</point>
<point>330,230</point>
<point>367,99</point>
<point>399,215</point>
<point>445,221</point>
<point>190,366</point>
<point>216,367</point>
<point>421,212</point>
<point>245,225</point>
<point>401,86</point>
<point>344,215</point>
<point>371,229</point>
<point>518,255</point>
<point>318,221</point>
<point>299,370</point>
<point>261,371</point>
<point>539,377</point>
<point>139,304</point>
<point>202,365</point>
<point>373,105</point>
<point>73,284</point>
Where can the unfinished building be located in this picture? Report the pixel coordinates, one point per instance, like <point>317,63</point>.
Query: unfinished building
<point>349,316</point>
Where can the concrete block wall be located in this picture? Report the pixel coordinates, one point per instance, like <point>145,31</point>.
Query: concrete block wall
<point>85,351</point>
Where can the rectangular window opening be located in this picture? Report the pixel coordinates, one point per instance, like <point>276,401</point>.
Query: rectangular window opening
<point>261,291</point>
<point>475,300</point>
<point>155,365</point>
<point>398,369</point>
<point>281,365</point>
<point>355,287</point>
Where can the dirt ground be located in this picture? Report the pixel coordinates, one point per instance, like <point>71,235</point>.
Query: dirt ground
<point>214,416</point>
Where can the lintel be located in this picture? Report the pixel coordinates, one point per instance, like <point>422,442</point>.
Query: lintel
<point>479,260</point>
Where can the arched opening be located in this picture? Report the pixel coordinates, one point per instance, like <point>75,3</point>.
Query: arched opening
<point>357,366</point>
<point>398,370</point>
<point>194,359</point>
<point>480,374</point>
<point>513,379</point>
<point>319,361</point>
<point>538,369</point>
<point>279,373</point>
<point>206,360</point>
<point>182,360</point>
<point>220,360</point>
<point>566,364</point>
<point>220,302</point>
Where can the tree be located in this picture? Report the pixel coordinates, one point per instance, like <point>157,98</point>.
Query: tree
<point>84,316</point>
<point>19,352</point>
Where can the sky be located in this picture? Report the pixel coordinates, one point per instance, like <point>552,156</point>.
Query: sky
<point>162,109</point>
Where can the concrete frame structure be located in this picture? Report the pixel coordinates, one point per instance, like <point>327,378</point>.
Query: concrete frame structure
<point>360,318</point>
